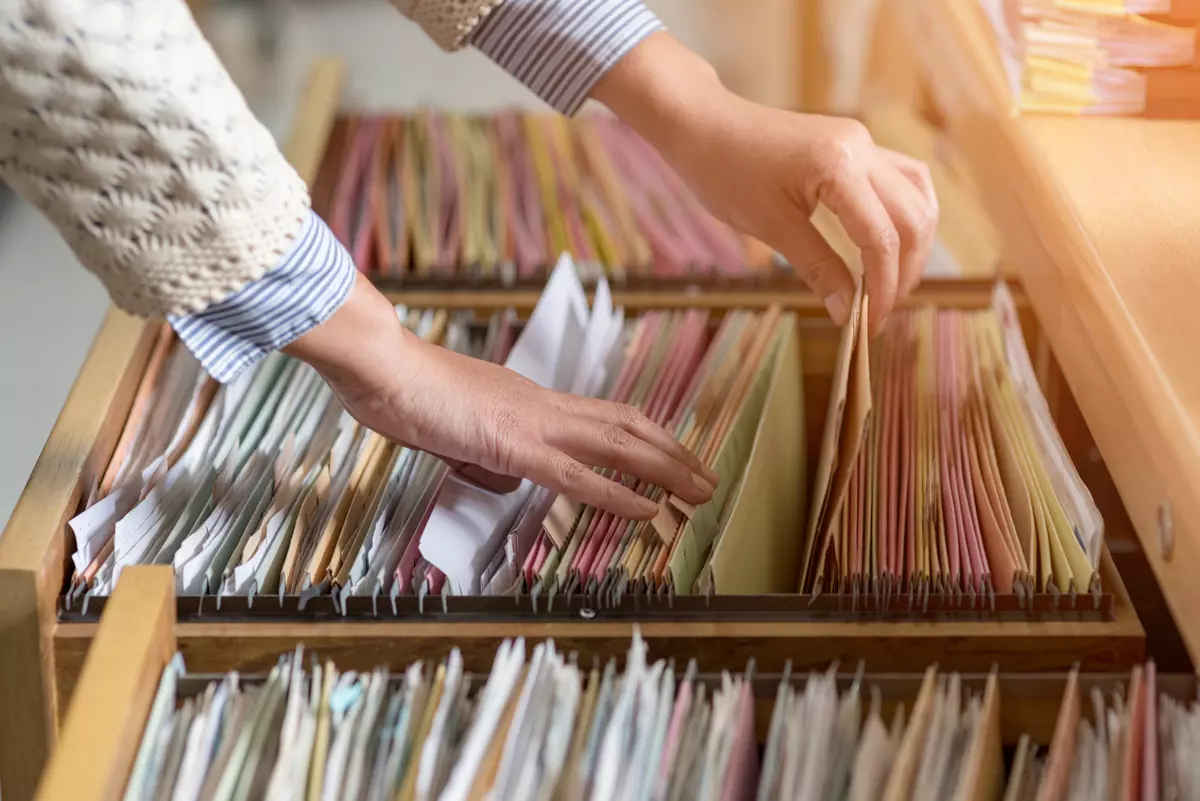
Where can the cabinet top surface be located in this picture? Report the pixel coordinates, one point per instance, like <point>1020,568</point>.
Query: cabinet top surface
<point>1134,186</point>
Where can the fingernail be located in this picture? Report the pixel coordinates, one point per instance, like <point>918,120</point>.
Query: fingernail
<point>838,307</point>
<point>647,508</point>
<point>706,489</point>
<point>711,476</point>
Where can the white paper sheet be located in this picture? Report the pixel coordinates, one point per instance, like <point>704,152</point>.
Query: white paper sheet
<point>562,347</point>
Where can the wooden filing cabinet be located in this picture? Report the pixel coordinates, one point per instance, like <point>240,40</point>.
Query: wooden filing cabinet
<point>41,656</point>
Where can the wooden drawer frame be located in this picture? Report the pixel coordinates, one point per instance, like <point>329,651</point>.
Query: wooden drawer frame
<point>137,638</point>
<point>40,658</point>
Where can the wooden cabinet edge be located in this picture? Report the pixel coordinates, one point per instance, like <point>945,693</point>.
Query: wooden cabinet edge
<point>32,548</point>
<point>134,642</point>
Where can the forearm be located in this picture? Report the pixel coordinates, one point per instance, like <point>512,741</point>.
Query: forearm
<point>671,96</point>
<point>660,87</point>
<point>118,121</point>
<point>359,349</point>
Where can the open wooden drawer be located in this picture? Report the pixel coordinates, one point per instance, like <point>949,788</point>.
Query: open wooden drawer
<point>1099,220</point>
<point>136,640</point>
<point>41,657</point>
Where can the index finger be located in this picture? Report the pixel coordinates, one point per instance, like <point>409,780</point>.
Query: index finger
<point>642,427</point>
<point>558,472</point>
<point>867,223</point>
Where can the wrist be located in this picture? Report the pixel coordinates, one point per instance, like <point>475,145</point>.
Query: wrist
<point>362,349</point>
<point>672,97</point>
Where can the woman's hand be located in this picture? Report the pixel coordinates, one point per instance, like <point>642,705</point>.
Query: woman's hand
<point>764,171</point>
<point>487,422</point>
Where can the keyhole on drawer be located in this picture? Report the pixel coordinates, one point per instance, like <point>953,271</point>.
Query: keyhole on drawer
<point>1166,531</point>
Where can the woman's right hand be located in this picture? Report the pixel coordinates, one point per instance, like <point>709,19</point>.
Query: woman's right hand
<point>764,171</point>
<point>492,425</point>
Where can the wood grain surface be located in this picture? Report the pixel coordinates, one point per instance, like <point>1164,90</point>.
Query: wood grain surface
<point>103,728</point>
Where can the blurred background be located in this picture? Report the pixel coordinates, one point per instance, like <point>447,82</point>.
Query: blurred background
<point>50,308</point>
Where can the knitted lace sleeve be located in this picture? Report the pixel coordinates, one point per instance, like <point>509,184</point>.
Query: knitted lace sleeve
<point>447,22</point>
<point>118,121</point>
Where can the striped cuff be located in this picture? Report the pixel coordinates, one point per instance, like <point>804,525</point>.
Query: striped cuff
<point>307,286</point>
<point>560,48</point>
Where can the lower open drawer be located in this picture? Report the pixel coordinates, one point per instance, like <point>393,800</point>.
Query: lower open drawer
<point>106,724</point>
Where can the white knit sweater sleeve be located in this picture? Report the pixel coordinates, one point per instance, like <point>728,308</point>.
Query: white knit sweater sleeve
<point>119,122</point>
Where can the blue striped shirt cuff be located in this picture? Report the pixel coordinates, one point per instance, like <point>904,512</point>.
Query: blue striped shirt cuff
<point>560,48</point>
<point>308,285</point>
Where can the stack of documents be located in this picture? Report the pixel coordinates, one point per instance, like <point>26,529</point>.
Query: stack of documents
<point>1092,56</point>
<point>540,726</point>
<point>824,744</point>
<point>450,197</point>
<point>268,487</point>
<point>941,470</point>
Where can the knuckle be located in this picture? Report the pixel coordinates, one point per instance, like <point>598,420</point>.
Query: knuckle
<point>507,419</point>
<point>613,490</point>
<point>626,415</point>
<point>910,226</point>
<point>507,410</point>
<point>924,173</point>
<point>887,240</point>
<point>846,150</point>
<point>854,132</point>
<point>570,473</point>
<point>926,225</point>
<point>568,404</point>
<point>617,440</point>
<point>839,159</point>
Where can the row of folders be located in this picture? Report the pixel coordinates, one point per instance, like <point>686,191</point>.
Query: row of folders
<point>451,196</point>
<point>446,198</point>
<point>542,726</point>
<point>936,470</point>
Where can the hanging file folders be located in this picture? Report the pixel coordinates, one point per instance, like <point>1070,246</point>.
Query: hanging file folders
<point>540,725</point>
<point>267,487</point>
<point>456,198</point>
<point>940,472</point>
<point>543,725</point>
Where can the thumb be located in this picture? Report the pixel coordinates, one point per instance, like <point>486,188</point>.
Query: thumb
<point>821,268</point>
